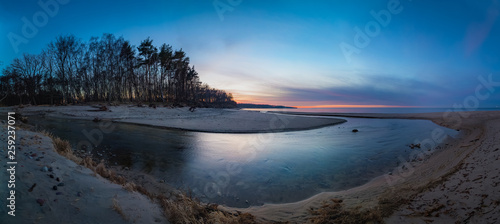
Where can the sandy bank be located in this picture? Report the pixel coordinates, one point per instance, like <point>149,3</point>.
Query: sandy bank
<point>52,189</point>
<point>202,119</point>
<point>457,182</point>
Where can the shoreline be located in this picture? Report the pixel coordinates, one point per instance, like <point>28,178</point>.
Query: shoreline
<point>50,186</point>
<point>432,171</point>
<point>209,120</point>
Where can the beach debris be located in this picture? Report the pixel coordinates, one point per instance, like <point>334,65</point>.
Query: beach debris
<point>32,187</point>
<point>103,108</point>
<point>412,146</point>
<point>54,188</point>
<point>355,130</point>
<point>45,169</point>
<point>51,176</point>
<point>51,169</point>
<point>58,179</point>
<point>40,201</point>
<point>192,109</point>
<point>60,184</point>
<point>152,105</point>
<point>96,119</point>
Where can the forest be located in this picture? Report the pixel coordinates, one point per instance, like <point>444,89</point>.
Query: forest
<point>107,69</point>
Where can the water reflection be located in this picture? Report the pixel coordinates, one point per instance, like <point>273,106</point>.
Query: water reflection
<point>273,167</point>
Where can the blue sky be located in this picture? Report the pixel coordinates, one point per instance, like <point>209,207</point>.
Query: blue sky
<point>430,53</point>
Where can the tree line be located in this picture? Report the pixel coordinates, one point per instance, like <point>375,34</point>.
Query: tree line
<point>107,69</point>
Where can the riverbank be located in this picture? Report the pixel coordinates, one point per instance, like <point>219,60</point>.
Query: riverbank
<point>456,183</point>
<point>51,188</point>
<point>201,119</point>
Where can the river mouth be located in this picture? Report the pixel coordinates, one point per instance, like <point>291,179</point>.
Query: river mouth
<point>240,170</point>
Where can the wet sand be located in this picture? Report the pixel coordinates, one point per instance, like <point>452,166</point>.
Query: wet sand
<point>458,182</point>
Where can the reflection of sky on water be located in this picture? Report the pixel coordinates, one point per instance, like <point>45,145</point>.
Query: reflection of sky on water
<point>272,167</point>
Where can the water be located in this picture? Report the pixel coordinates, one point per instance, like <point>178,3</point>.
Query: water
<point>261,168</point>
<point>371,110</point>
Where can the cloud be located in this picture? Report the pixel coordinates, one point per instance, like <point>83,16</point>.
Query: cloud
<point>373,90</point>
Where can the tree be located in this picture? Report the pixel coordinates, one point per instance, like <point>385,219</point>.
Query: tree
<point>107,68</point>
<point>65,51</point>
<point>148,58</point>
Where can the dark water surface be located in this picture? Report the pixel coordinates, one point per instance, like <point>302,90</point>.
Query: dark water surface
<point>231,169</point>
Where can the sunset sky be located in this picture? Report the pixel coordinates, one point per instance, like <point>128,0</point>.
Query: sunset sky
<point>429,53</point>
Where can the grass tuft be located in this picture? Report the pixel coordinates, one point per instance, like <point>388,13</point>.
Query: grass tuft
<point>335,212</point>
<point>118,209</point>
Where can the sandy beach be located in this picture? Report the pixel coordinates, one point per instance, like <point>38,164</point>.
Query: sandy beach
<point>202,119</point>
<point>457,181</point>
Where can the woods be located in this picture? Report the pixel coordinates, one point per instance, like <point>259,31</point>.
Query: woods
<point>107,69</point>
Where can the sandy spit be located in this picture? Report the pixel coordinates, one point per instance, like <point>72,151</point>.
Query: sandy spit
<point>202,119</point>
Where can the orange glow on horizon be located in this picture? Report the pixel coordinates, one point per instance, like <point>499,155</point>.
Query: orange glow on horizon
<point>355,106</point>
<point>250,99</point>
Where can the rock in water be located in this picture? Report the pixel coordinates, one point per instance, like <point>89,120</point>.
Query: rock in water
<point>354,130</point>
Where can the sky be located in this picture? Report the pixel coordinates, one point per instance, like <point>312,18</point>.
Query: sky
<point>411,53</point>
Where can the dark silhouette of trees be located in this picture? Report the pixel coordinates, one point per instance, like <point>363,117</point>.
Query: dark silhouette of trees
<point>107,69</point>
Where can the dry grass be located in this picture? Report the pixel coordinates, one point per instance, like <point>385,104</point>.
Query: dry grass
<point>335,212</point>
<point>62,147</point>
<point>178,209</point>
<point>100,168</point>
<point>118,209</point>
<point>129,186</point>
<point>184,209</point>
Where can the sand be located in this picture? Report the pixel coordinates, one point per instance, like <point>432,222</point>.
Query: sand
<point>457,181</point>
<point>463,176</point>
<point>83,197</point>
<point>202,119</point>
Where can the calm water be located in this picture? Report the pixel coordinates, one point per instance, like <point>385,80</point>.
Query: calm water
<point>372,110</point>
<point>274,167</point>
